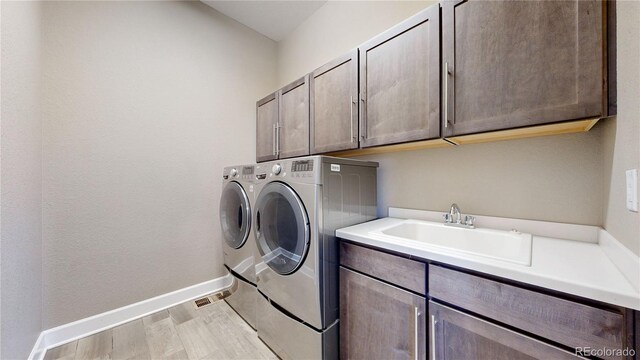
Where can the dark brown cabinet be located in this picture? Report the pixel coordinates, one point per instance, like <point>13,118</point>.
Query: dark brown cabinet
<point>282,122</point>
<point>400,82</point>
<point>380,321</point>
<point>382,303</point>
<point>334,105</point>
<point>510,64</point>
<point>293,123</point>
<point>559,320</point>
<point>267,127</point>
<point>458,72</point>
<point>456,335</point>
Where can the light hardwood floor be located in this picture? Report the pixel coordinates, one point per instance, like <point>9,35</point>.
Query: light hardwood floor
<point>214,331</point>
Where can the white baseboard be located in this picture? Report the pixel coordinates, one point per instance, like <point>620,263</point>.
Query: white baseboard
<point>84,327</point>
<point>624,259</point>
<point>38,349</point>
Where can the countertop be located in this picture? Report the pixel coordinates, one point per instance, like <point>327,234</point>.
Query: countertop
<point>581,268</point>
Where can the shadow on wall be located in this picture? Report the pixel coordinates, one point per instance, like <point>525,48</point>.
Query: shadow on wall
<point>537,178</point>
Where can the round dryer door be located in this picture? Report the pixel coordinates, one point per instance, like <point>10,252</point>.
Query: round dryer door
<point>235,215</point>
<point>282,228</point>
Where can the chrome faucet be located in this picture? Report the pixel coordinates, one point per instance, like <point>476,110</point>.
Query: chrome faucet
<point>454,213</point>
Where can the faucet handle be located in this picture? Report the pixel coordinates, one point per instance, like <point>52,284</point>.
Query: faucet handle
<point>447,218</point>
<point>468,220</point>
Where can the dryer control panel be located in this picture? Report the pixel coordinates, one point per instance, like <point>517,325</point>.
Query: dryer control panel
<point>302,165</point>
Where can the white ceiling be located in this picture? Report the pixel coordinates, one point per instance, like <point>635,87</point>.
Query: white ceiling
<point>274,19</point>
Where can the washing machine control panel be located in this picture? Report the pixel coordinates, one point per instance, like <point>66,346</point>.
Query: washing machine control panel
<point>247,172</point>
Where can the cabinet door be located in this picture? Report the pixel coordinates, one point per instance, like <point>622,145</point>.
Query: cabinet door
<point>379,321</point>
<point>509,64</point>
<point>400,82</point>
<point>334,105</point>
<point>456,335</point>
<point>293,126</point>
<point>266,128</point>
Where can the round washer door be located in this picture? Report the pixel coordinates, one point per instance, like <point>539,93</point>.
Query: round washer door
<point>282,228</point>
<point>235,215</point>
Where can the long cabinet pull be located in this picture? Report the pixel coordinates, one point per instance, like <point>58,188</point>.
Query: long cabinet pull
<point>363,111</point>
<point>351,117</point>
<point>273,142</point>
<point>446,94</point>
<point>433,337</point>
<point>416,330</point>
<point>277,138</point>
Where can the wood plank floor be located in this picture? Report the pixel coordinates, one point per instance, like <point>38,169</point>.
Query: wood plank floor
<point>214,331</point>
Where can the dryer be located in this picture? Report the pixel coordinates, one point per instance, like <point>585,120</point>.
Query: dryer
<point>299,205</point>
<point>239,247</point>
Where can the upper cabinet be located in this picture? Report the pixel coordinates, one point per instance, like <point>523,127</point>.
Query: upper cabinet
<point>267,128</point>
<point>282,122</point>
<point>293,124</point>
<point>334,105</point>
<point>400,82</point>
<point>509,64</point>
<point>458,72</point>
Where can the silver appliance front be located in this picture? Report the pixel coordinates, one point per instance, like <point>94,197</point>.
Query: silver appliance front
<point>238,245</point>
<point>244,300</point>
<point>298,289</point>
<point>286,235</point>
<point>291,339</point>
<point>236,222</point>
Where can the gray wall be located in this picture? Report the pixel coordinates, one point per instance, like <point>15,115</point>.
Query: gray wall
<point>21,181</point>
<point>622,134</point>
<point>542,178</point>
<point>144,103</point>
<point>576,178</point>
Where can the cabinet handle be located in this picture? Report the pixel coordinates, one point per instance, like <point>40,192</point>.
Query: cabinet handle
<point>433,337</point>
<point>273,136</point>
<point>363,132</point>
<point>416,330</point>
<point>351,116</point>
<point>276,139</point>
<point>446,94</point>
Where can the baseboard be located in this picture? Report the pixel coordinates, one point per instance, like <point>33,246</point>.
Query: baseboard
<point>38,349</point>
<point>84,327</point>
<point>624,259</point>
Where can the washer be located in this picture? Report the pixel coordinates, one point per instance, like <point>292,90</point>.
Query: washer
<point>239,247</point>
<point>300,204</point>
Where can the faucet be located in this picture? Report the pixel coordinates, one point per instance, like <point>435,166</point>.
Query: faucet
<point>454,212</point>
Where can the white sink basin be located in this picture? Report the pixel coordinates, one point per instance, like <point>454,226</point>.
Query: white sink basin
<point>501,245</point>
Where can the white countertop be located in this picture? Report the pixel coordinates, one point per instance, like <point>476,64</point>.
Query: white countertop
<point>580,268</point>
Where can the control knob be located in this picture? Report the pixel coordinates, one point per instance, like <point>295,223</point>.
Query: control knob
<point>276,169</point>
<point>233,172</point>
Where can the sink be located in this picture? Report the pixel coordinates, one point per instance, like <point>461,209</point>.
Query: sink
<point>511,246</point>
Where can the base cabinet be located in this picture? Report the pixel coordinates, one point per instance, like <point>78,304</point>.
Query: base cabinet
<point>456,335</point>
<point>384,314</point>
<point>380,321</point>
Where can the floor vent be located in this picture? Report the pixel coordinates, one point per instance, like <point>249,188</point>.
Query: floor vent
<point>221,295</point>
<point>202,302</point>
